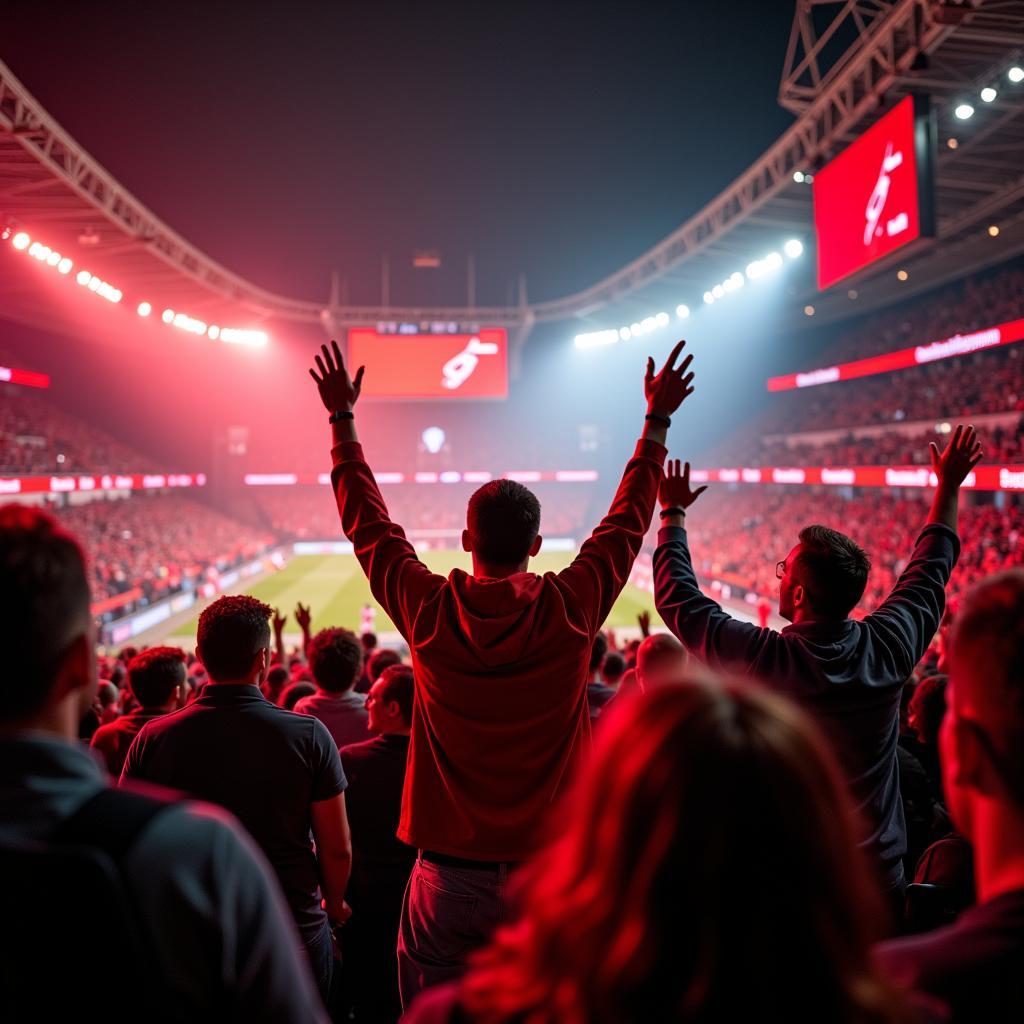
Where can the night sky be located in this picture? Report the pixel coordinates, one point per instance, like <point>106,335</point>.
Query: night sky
<point>292,139</point>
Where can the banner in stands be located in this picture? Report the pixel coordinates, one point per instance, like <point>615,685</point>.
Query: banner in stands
<point>431,365</point>
<point>946,348</point>
<point>98,483</point>
<point>984,478</point>
<point>876,196</point>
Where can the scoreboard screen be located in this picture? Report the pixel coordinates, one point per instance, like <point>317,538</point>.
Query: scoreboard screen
<point>876,196</point>
<point>450,366</point>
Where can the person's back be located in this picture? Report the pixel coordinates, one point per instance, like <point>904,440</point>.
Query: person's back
<point>976,965</point>
<point>211,931</point>
<point>155,677</point>
<point>500,659</point>
<point>270,767</point>
<point>335,659</point>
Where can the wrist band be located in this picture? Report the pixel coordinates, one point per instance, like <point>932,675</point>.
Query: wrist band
<point>672,510</point>
<point>341,414</point>
<point>660,419</point>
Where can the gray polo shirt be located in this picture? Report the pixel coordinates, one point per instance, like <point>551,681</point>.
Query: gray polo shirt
<point>219,927</point>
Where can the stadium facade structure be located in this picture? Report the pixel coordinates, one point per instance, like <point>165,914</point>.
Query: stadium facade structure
<point>49,184</point>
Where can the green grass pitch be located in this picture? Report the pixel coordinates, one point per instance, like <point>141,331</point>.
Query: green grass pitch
<point>336,590</point>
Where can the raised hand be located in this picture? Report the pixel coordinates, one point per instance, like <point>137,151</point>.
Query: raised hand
<point>668,390</point>
<point>337,390</point>
<point>674,490</point>
<point>303,616</point>
<point>962,454</point>
<point>643,620</point>
<point>279,621</point>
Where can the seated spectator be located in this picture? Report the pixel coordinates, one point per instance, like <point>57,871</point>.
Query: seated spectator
<point>975,964</point>
<point>612,669</point>
<point>649,905</point>
<point>295,692</point>
<point>335,658</point>
<point>598,694</point>
<point>275,683</point>
<point>381,863</point>
<point>277,772</point>
<point>202,901</point>
<point>156,678</point>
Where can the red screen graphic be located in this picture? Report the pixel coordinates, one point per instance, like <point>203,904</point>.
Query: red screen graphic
<point>868,200</point>
<point>431,365</point>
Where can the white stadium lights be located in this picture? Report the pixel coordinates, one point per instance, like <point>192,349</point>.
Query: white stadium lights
<point>963,111</point>
<point>1015,75</point>
<point>988,94</point>
<point>793,248</point>
<point>682,311</point>
<point>22,242</point>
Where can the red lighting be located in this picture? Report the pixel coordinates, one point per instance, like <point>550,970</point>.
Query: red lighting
<point>984,478</point>
<point>875,197</point>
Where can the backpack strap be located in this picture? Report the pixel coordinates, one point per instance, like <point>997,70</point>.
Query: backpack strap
<point>112,820</point>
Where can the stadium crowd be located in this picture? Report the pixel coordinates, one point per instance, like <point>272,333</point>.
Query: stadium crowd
<point>736,845</point>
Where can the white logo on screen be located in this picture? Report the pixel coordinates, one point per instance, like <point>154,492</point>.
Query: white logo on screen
<point>460,367</point>
<point>876,203</point>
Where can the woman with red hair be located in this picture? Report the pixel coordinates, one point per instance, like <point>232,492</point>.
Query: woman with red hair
<point>706,870</point>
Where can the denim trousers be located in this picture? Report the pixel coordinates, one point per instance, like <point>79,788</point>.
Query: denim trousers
<point>320,954</point>
<point>447,912</point>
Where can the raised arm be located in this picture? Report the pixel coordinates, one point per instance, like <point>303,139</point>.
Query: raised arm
<point>304,617</point>
<point>398,579</point>
<point>600,570</point>
<point>278,622</point>
<point>700,624</point>
<point>911,613</point>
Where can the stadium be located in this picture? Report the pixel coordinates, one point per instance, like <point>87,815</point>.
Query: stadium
<point>850,297</point>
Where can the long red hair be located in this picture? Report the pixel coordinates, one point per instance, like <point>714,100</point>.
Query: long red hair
<point>706,870</point>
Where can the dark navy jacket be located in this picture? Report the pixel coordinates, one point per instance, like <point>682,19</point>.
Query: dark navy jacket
<point>848,674</point>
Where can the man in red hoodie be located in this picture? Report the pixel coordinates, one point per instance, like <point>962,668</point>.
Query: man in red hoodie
<point>500,660</point>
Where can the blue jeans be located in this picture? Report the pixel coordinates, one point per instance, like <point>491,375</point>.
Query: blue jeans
<point>320,953</point>
<point>447,913</point>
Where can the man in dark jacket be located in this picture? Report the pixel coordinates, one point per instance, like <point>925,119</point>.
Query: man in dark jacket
<point>848,673</point>
<point>500,661</point>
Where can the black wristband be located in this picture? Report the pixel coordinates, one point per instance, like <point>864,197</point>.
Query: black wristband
<point>341,414</point>
<point>659,419</point>
<point>672,510</point>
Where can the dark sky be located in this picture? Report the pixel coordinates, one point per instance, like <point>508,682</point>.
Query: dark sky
<point>287,140</point>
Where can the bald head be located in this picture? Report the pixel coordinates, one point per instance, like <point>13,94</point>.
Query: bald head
<point>660,659</point>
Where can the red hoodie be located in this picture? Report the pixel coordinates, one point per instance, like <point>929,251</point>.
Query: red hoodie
<point>500,708</point>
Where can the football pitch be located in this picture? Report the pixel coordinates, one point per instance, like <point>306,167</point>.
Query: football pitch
<point>335,589</point>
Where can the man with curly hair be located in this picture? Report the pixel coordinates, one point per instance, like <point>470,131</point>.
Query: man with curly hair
<point>335,658</point>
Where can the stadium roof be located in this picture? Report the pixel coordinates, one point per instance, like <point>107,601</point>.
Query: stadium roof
<point>51,188</point>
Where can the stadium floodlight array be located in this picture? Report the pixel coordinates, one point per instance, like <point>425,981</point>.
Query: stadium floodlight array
<point>21,241</point>
<point>764,267</point>
<point>965,109</point>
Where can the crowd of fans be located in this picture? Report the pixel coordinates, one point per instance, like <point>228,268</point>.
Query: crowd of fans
<point>159,544</point>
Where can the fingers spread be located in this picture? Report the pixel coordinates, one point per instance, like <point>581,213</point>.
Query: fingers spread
<point>674,355</point>
<point>312,374</point>
<point>321,367</point>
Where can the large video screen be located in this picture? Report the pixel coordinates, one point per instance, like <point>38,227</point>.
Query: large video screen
<point>452,366</point>
<point>876,196</point>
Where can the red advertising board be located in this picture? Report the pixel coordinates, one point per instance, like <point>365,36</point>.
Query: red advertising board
<point>453,366</point>
<point>984,478</point>
<point>875,197</point>
<point>945,348</point>
<point>97,483</point>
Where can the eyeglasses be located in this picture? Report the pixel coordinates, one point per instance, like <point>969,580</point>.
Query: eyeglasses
<point>780,569</point>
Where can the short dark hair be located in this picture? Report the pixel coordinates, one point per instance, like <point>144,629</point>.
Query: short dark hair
<point>597,652</point>
<point>503,519</point>
<point>278,677</point>
<point>44,605</point>
<point>294,693</point>
<point>368,640</point>
<point>398,686</point>
<point>335,657</point>
<point>153,675</point>
<point>381,658</point>
<point>232,631</point>
<point>613,666</point>
<point>833,571</point>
